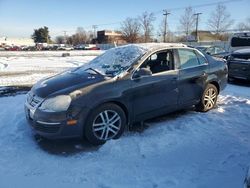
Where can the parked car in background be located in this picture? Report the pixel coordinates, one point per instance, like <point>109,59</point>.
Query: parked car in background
<point>86,47</point>
<point>216,51</point>
<point>94,48</point>
<point>124,85</point>
<point>29,48</point>
<point>79,47</point>
<point>239,60</point>
<point>91,47</point>
<point>66,47</point>
<point>13,48</point>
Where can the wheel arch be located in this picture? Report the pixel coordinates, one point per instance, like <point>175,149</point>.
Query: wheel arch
<point>116,102</point>
<point>122,106</point>
<point>216,84</point>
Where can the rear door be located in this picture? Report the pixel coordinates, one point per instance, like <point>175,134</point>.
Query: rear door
<point>193,72</point>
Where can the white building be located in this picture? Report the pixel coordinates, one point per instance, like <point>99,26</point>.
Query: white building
<point>16,41</point>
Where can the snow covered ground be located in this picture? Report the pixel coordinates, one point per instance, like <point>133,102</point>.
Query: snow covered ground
<point>181,150</point>
<point>26,68</point>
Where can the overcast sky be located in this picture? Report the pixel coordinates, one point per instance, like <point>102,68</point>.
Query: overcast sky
<point>18,18</point>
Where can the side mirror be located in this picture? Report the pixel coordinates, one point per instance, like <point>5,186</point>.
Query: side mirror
<point>142,72</point>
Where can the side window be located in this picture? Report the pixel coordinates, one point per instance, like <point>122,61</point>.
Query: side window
<point>159,62</point>
<point>187,58</point>
<point>219,50</point>
<point>211,50</point>
<point>202,60</point>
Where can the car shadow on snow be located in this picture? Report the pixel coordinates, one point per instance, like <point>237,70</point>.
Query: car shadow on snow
<point>64,147</point>
<point>240,82</point>
<point>142,126</point>
<point>68,147</point>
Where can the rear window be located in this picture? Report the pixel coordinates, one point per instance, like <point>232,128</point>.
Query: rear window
<point>187,58</point>
<point>240,41</point>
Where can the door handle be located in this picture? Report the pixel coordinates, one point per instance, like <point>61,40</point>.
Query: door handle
<point>203,74</point>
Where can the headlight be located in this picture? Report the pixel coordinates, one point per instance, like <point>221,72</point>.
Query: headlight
<point>56,104</point>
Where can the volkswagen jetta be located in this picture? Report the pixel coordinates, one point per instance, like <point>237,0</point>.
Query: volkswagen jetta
<point>124,85</point>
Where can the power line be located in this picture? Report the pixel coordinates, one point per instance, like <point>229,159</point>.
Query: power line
<point>200,5</point>
<point>168,11</point>
<point>180,8</point>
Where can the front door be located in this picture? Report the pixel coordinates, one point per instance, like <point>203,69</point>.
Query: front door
<point>157,93</point>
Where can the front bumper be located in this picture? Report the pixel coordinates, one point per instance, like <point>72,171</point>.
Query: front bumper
<point>53,125</point>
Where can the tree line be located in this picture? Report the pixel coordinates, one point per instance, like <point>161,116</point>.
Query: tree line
<point>141,28</point>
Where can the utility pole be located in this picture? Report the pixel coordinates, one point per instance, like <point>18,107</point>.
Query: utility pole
<point>65,36</point>
<point>197,22</point>
<point>94,28</point>
<point>166,13</point>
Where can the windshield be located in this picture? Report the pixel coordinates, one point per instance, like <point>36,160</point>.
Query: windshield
<point>115,60</point>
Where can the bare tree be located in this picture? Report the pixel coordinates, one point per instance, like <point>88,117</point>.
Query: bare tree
<point>187,21</point>
<point>244,26</point>
<point>80,37</point>
<point>130,29</point>
<point>90,36</point>
<point>146,20</point>
<point>220,20</point>
<point>59,39</point>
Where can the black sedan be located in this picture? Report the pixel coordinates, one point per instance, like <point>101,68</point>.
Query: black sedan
<point>239,65</point>
<point>124,85</point>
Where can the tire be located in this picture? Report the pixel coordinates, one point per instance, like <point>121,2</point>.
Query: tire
<point>209,98</point>
<point>230,80</point>
<point>106,122</point>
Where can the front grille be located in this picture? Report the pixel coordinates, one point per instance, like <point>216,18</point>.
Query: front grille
<point>33,100</point>
<point>46,128</point>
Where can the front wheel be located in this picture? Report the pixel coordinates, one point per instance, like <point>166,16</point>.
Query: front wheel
<point>106,122</point>
<point>209,98</point>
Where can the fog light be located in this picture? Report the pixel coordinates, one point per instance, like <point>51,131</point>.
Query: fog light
<point>71,122</point>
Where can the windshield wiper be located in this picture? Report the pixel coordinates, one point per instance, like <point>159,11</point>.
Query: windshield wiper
<point>93,70</point>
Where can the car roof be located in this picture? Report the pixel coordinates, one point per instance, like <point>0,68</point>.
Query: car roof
<point>203,46</point>
<point>149,47</point>
<point>155,46</point>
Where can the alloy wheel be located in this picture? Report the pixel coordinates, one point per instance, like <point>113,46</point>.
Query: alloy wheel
<point>106,125</point>
<point>210,98</point>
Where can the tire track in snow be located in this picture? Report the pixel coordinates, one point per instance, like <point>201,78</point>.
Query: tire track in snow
<point>3,66</point>
<point>75,63</point>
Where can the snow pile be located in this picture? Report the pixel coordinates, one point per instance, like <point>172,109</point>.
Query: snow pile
<point>28,70</point>
<point>49,53</point>
<point>185,149</point>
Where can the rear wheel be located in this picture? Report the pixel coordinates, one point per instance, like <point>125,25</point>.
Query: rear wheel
<point>209,98</point>
<point>106,122</point>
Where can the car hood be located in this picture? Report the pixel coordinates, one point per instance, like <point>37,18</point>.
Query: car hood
<point>65,83</point>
